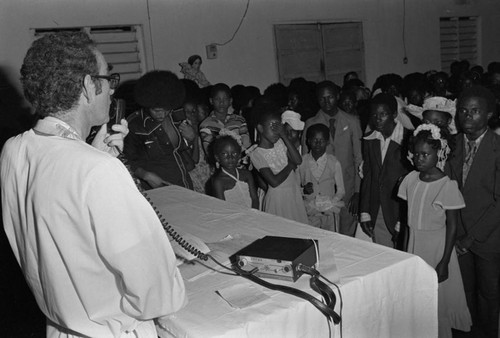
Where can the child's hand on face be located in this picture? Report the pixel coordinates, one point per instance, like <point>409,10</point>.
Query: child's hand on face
<point>278,128</point>
<point>308,188</point>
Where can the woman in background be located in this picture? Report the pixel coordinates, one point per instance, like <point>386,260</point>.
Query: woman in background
<point>191,71</point>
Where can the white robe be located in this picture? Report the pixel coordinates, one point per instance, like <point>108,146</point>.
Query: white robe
<point>91,247</point>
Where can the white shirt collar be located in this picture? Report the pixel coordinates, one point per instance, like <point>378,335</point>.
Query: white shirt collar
<point>320,159</point>
<point>53,126</point>
<point>396,136</point>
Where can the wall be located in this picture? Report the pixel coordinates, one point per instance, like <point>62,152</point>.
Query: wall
<point>184,27</point>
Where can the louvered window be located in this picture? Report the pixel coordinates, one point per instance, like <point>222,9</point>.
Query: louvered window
<point>319,51</point>
<point>459,40</point>
<point>121,45</point>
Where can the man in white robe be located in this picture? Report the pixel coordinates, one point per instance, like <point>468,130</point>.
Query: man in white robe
<point>90,246</point>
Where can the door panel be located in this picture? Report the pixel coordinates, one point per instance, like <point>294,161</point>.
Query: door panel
<point>300,52</point>
<point>343,47</point>
<point>319,51</point>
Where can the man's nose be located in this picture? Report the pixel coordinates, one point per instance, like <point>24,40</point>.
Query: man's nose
<point>468,115</point>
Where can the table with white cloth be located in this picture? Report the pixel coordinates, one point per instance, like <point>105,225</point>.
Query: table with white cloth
<point>385,293</point>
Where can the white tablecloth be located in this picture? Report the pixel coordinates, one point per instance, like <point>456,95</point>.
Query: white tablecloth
<point>386,293</point>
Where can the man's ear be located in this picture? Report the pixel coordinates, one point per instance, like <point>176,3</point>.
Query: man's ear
<point>490,115</point>
<point>211,101</point>
<point>88,89</point>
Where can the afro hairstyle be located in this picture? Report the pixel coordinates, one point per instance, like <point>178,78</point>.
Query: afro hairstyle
<point>159,89</point>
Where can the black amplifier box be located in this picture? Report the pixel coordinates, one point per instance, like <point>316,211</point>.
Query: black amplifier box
<point>277,257</point>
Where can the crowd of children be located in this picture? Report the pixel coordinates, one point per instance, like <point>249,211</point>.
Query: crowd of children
<point>394,163</point>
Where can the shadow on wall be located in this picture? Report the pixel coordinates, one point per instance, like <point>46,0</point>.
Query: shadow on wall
<point>15,115</point>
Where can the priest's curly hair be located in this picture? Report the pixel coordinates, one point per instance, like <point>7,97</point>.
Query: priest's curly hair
<point>53,71</point>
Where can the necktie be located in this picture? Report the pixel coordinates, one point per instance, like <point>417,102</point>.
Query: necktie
<point>332,129</point>
<point>469,157</point>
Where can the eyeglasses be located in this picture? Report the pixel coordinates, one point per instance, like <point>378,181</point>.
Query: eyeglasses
<point>113,79</point>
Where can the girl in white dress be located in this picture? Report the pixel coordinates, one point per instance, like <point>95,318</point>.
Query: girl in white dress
<point>230,183</point>
<point>433,203</point>
<point>276,158</point>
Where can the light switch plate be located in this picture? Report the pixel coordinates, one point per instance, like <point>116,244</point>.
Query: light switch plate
<point>211,51</point>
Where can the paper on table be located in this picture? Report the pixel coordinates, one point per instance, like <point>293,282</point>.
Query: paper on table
<point>240,296</point>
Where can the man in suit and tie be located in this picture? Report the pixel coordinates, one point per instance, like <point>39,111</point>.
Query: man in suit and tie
<point>475,165</point>
<point>384,156</point>
<point>344,144</point>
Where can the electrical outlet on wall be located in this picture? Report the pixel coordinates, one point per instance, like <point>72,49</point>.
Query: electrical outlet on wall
<point>211,51</point>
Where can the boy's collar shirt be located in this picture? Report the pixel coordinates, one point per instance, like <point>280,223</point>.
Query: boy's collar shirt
<point>396,136</point>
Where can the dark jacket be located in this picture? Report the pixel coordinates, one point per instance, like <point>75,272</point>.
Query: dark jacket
<point>481,215</point>
<point>380,182</point>
<point>147,146</point>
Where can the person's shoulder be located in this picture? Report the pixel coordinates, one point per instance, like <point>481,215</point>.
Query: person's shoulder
<point>280,144</point>
<point>135,117</point>
<point>351,121</point>
<point>494,139</point>
<point>257,155</point>
<point>348,117</point>
<point>412,175</point>
<point>236,118</point>
<point>367,134</point>
<point>245,174</point>
<point>216,177</point>
<point>313,119</point>
<point>331,158</point>
<point>135,120</point>
<point>209,120</point>
<point>494,136</point>
<point>15,140</point>
<point>450,184</point>
<point>306,156</point>
<point>12,147</point>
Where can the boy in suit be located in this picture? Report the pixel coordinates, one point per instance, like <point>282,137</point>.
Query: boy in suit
<point>384,156</point>
<point>475,165</point>
<point>344,144</point>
